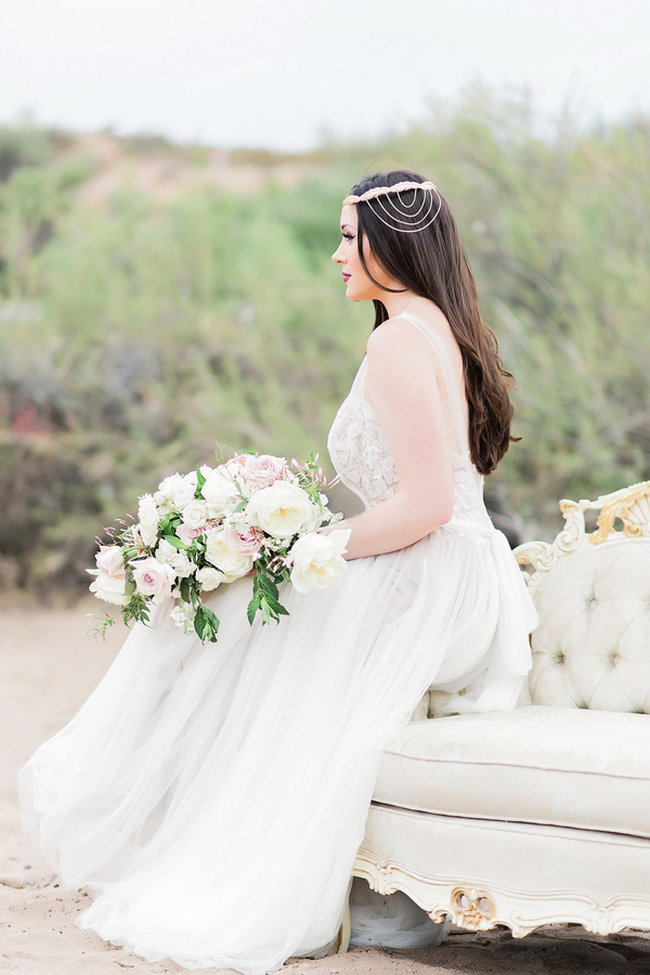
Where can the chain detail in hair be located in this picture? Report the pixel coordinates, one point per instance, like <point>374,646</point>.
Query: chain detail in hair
<point>411,225</point>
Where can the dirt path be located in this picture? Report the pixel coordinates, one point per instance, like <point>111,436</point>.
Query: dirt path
<point>48,667</point>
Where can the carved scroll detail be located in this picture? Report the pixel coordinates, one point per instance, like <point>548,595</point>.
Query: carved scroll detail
<point>473,907</point>
<point>630,506</point>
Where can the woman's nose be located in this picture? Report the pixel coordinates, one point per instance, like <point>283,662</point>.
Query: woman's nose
<point>335,256</point>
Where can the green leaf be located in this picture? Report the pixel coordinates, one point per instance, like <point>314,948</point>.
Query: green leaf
<point>266,584</point>
<point>212,621</point>
<point>175,542</point>
<point>206,624</point>
<point>253,607</point>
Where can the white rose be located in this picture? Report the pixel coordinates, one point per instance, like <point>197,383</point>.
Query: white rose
<point>231,563</point>
<point>220,493</point>
<point>177,490</point>
<point>280,510</point>
<point>195,514</point>
<point>153,578</point>
<point>179,562</point>
<point>148,520</point>
<point>109,588</point>
<point>318,560</point>
<point>209,578</point>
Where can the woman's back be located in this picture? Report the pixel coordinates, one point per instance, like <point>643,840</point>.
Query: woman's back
<point>359,446</point>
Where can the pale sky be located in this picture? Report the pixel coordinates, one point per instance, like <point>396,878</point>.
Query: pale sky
<point>280,73</point>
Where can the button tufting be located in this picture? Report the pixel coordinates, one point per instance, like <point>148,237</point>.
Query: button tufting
<point>613,658</point>
<point>560,657</point>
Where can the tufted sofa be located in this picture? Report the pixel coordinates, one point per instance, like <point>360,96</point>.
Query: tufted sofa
<point>540,814</point>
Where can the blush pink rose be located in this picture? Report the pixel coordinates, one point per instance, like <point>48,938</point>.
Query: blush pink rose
<point>248,541</point>
<point>153,578</point>
<point>109,561</point>
<point>187,534</point>
<point>264,470</point>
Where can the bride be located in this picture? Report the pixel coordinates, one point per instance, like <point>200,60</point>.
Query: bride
<point>212,797</point>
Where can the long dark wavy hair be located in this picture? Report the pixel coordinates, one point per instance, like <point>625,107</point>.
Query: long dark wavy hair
<point>432,263</point>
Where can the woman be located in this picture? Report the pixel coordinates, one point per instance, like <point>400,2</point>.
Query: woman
<point>214,797</point>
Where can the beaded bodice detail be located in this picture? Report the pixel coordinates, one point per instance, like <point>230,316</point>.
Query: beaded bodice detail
<point>363,460</point>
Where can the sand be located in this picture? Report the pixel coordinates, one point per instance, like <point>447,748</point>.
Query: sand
<point>49,665</point>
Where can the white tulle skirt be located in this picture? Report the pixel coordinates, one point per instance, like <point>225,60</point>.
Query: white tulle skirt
<point>214,797</point>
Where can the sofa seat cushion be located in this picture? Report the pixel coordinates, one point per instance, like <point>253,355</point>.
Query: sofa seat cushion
<point>557,766</point>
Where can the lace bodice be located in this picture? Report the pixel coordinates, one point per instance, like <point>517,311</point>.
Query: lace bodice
<point>363,460</point>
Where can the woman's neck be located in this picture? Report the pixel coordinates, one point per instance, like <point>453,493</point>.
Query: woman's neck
<point>408,301</point>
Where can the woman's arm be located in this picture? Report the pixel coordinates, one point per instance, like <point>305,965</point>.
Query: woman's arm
<point>403,386</point>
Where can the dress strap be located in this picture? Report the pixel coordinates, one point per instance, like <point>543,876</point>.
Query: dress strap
<point>455,396</point>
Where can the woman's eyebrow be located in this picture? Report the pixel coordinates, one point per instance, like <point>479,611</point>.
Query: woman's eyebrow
<point>344,225</point>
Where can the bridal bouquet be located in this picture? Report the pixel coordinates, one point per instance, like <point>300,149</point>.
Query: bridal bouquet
<point>253,514</point>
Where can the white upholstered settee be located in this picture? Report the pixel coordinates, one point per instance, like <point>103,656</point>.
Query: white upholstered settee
<point>540,814</point>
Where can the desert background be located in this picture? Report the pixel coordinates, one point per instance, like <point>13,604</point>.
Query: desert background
<point>50,664</point>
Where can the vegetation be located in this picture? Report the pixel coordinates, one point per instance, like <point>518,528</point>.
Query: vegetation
<point>140,333</point>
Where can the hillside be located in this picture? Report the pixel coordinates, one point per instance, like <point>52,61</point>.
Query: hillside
<point>158,301</point>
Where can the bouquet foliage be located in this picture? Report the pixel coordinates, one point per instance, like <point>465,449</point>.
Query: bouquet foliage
<point>254,514</point>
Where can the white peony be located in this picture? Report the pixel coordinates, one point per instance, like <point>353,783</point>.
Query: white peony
<point>318,560</point>
<point>220,493</point>
<point>209,578</point>
<point>148,520</point>
<point>109,588</point>
<point>153,578</point>
<point>280,510</point>
<point>229,561</point>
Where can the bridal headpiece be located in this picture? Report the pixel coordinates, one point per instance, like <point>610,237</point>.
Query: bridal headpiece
<point>388,206</point>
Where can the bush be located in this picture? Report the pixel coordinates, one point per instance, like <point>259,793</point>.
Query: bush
<point>139,338</point>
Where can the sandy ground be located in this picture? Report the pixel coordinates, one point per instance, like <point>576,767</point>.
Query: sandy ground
<point>48,666</point>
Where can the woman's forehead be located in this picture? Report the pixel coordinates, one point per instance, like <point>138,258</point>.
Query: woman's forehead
<point>349,217</point>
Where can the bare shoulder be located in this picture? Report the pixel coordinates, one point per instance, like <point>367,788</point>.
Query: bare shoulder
<point>396,336</point>
<point>398,344</point>
<point>399,339</point>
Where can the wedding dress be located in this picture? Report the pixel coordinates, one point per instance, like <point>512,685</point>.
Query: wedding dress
<point>213,796</point>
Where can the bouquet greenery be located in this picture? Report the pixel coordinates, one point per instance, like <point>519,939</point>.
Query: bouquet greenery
<point>255,515</point>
